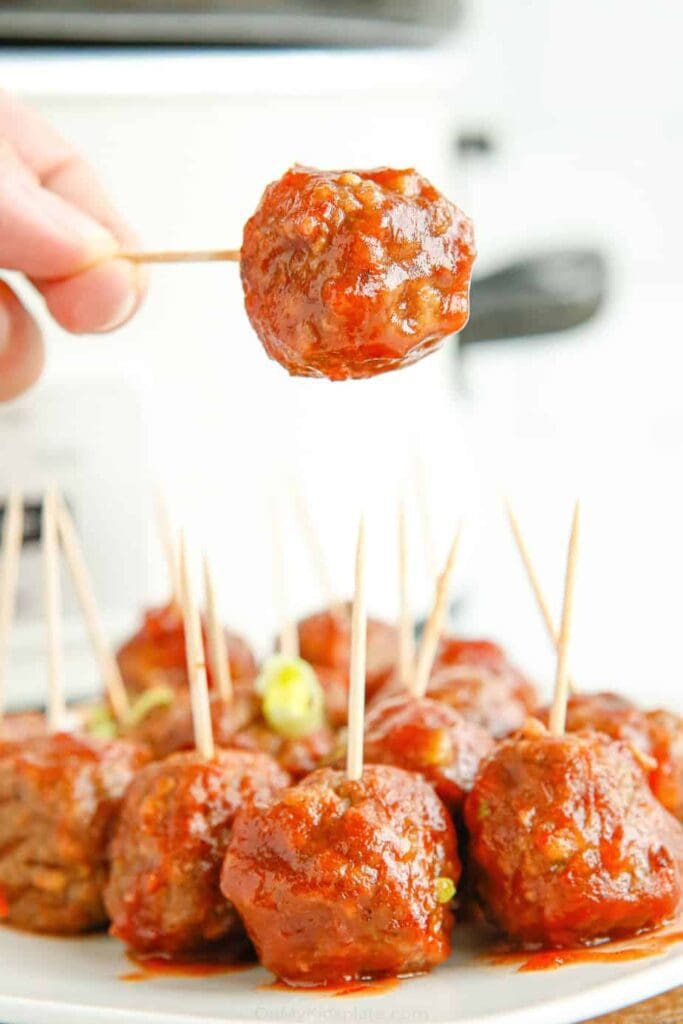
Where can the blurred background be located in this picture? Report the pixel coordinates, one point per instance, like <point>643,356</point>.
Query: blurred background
<point>559,129</point>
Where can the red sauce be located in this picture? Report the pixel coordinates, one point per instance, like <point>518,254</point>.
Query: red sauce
<point>371,987</point>
<point>202,965</point>
<point>653,943</point>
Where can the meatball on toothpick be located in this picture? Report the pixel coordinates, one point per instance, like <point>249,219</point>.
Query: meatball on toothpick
<point>59,797</point>
<point>568,844</point>
<point>163,894</point>
<point>349,874</point>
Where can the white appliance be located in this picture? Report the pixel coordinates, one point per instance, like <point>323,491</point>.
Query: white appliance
<point>187,143</point>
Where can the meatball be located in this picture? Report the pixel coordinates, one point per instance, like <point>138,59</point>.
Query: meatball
<point>658,734</point>
<point>22,725</point>
<point>325,642</point>
<point>424,736</point>
<point>298,757</point>
<point>155,655</point>
<point>338,880</point>
<point>567,842</point>
<point>59,797</point>
<point>492,701</point>
<point>665,730</point>
<point>476,678</point>
<point>163,893</point>
<point>168,728</point>
<point>353,273</point>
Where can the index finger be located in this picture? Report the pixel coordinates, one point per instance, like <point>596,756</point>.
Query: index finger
<point>58,166</point>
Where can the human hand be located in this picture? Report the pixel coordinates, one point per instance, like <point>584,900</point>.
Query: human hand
<point>58,228</point>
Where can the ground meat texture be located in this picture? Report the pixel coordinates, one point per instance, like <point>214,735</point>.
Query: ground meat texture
<point>163,893</point>
<point>490,700</point>
<point>458,652</point>
<point>353,273</point>
<point>325,643</point>
<point>424,736</point>
<point>169,728</point>
<point>59,798</point>
<point>659,734</point>
<point>568,843</point>
<point>155,655</point>
<point>338,880</point>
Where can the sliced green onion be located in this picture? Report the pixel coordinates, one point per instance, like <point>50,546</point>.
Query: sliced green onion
<point>156,697</point>
<point>292,699</point>
<point>101,723</point>
<point>445,890</point>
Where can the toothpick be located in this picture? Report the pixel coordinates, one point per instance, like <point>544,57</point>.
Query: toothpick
<point>12,540</point>
<point>218,646</point>
<point>168,545</point>
<point>104,655</point>
<point>406,628</point>
<point>532,576</point>
<point>289,634</point>
<point>196,663</point>
<point>359,619</point>
<point>183,256</point>
<point>56,705</point>
<point>558,712</point>
<point>434,626</point>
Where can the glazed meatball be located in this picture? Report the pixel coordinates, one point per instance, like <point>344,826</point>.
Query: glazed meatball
<point>339,880</point>
<point>298,757</point>
<point>353,273</point>
<point>163,893</point>
<point>568,843</point>
<point>424,736</point>
<point>22,725</point>
<point>59,798</point>
<point>476,678</point>
<point>325,643</point>
<point>155,655</point>
<point>658,734</point>
<point>169,728</point>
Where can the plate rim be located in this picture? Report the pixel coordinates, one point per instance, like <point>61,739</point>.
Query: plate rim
<point>630,988</point>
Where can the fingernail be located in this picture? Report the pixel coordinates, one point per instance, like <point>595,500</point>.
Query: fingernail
<point>128,299</point>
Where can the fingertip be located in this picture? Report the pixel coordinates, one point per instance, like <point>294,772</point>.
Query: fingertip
<point>97,300</point>
<point>22,356</point>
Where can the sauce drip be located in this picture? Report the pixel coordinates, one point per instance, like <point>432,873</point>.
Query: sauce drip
<point>654,943</point>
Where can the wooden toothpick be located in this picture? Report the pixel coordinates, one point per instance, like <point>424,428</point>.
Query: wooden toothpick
<point>532,576</point>
<point>406,628</point>
<point>168,545</point>
<point>196,663</point>
<point>434,626</point>
<point>218,647</point>
<point>183,256</point>
<point>106,659</point>
<point>289,634</point>
<point>56,705</point>
<point>12,540</point>
<point>558,711</point>
<point>356,708</point>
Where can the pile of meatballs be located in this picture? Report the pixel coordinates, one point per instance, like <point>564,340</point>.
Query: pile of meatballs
<point>466,804</point>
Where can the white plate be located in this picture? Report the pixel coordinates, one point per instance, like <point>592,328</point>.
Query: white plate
<point>65,981</point>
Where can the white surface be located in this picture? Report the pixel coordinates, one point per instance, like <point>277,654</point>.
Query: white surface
<point>61,981</point>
